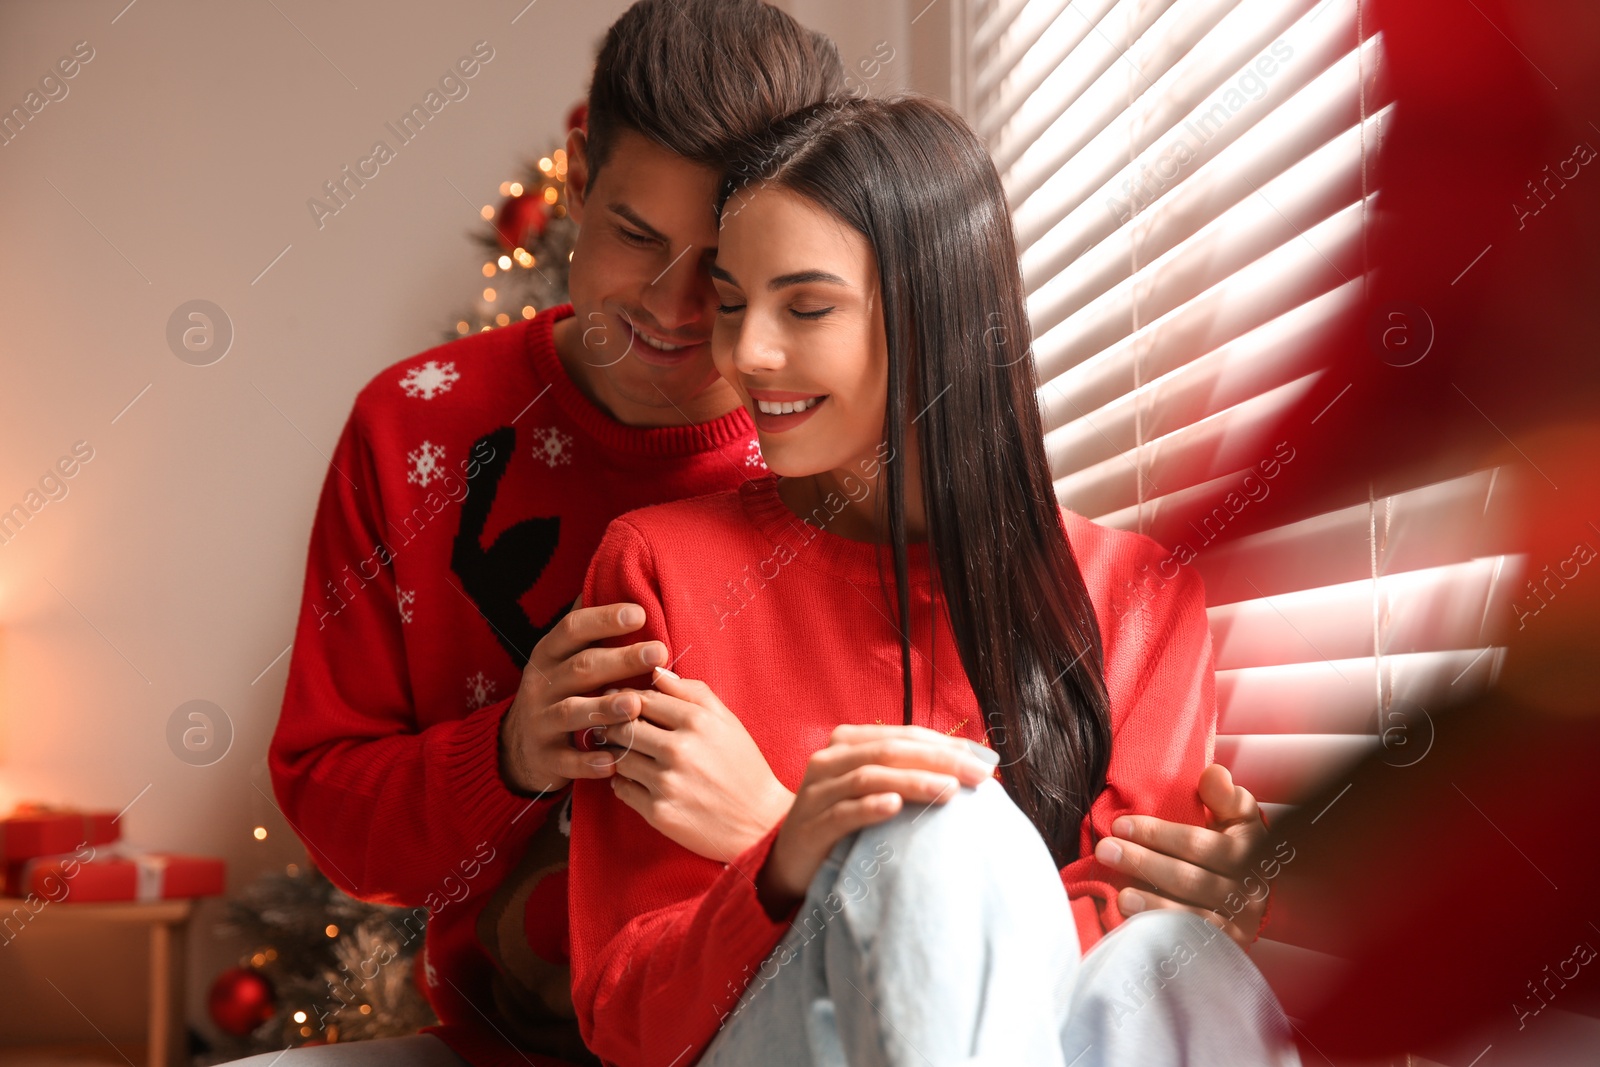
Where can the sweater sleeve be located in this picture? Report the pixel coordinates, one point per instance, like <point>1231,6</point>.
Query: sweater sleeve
<point>663,940</point>
<point>1162,686</point>
<point>387,810</point>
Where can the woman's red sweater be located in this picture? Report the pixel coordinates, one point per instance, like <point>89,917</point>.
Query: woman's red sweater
<point>789,624</point>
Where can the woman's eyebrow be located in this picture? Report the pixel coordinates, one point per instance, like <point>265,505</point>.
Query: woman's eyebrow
<point>799,277</point>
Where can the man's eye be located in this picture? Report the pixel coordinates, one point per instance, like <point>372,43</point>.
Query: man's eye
<point>635,238</point>
<point>811,314</point>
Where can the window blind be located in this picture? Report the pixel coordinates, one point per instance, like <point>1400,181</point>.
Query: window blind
<point>1191,183</point>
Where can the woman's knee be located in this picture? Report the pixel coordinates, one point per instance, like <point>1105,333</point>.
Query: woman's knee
<point>975,845</point>
<point>1167,955</point>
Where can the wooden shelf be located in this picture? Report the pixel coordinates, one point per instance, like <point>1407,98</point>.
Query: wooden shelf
<point>166,1044</point>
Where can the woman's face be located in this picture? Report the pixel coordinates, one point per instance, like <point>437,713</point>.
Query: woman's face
<point>799,330</point>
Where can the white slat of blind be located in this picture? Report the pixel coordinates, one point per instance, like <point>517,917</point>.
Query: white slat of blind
<point>1433,609</point>
<point>1256,362</point>
<point>1224,446</point>
<point>1086,42</point>
<point>1153,155</point>
<point>1188,59</point>
<point>1088,251</point>
<point>1283,216</point>
<point>1420,528</point>
<point>1023,59</point>
<point>997,19</point>
<point>1309,698</point>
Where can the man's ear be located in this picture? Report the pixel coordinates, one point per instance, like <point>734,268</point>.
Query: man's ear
<point>577,174</point>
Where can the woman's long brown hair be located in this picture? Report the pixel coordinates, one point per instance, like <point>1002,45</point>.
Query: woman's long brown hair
<point>908,174</point>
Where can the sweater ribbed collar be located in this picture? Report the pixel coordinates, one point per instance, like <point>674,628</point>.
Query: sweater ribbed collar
<point>816,547</point>
<point>735,426</point>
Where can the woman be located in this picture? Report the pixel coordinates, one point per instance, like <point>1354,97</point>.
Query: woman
<point>906,592</point>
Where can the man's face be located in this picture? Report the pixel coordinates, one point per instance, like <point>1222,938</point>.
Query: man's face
<point>640,283</point>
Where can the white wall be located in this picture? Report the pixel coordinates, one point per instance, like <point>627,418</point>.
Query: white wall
<point>178,167</point>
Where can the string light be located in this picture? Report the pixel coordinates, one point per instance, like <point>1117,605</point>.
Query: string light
<point>488,295</point>
<point>462,326</point>
<point>299,1016</point>
<point>502,319</point>
<point>528,312</point>
<point>488,270</point>
<point>516,188</point>
<point>260,833</point>
<point>487,211</point>
<point>331,930</point>
<point>505,262</point>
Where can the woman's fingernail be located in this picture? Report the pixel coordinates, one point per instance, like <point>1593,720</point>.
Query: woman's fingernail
<point>663,672</point>
<point>983,752</point>
<point>1123,827</point>
<point>1109,851</point>
<point>1132,905</point>
<point>608,692</point>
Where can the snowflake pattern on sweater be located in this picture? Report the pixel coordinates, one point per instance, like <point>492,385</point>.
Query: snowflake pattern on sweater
<point>430,380</point>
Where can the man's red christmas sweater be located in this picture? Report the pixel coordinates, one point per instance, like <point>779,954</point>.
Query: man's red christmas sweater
<point>467,492</point>
<point>790,625</point>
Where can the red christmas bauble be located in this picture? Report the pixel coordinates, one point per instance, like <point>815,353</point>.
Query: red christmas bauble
<point>578,117</point>
<point>521,220</point>
<point>241,999</point>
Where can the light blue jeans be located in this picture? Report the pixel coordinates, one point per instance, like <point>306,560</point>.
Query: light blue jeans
<point>943,936</point>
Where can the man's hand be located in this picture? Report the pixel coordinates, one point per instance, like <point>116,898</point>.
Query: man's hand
<point>536,753</point>
<point>688,765</point>
<point>1207,869</point>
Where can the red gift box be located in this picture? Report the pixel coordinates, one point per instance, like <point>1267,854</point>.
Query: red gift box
<point>116,875</point>
<point>39,830</point>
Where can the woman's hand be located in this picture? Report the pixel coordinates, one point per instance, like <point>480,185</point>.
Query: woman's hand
<point>689,766</point>
<point>863,777</point>
<point>1208,870</point>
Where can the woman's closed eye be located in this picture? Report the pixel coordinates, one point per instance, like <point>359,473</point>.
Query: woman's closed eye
<point>729,309</point>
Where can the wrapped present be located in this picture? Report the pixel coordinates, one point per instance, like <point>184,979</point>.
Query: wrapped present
<point>118,874</point>
<point>40,830</point>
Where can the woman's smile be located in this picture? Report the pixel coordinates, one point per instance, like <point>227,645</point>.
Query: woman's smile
<point>776,410</point>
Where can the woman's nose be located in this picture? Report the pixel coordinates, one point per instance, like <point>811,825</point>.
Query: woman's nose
<point>756,349</point>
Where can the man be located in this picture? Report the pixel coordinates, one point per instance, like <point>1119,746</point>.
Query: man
<point>465,497</point>
<point>425,746</point>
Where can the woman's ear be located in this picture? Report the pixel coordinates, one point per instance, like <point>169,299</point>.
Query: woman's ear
<point>577,174</point>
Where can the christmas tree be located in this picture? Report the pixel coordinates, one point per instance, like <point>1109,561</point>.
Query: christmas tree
<point>321,967</point>
<point>527,245</point>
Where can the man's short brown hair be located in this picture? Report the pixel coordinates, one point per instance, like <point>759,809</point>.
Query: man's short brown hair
<point>699,76</point>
